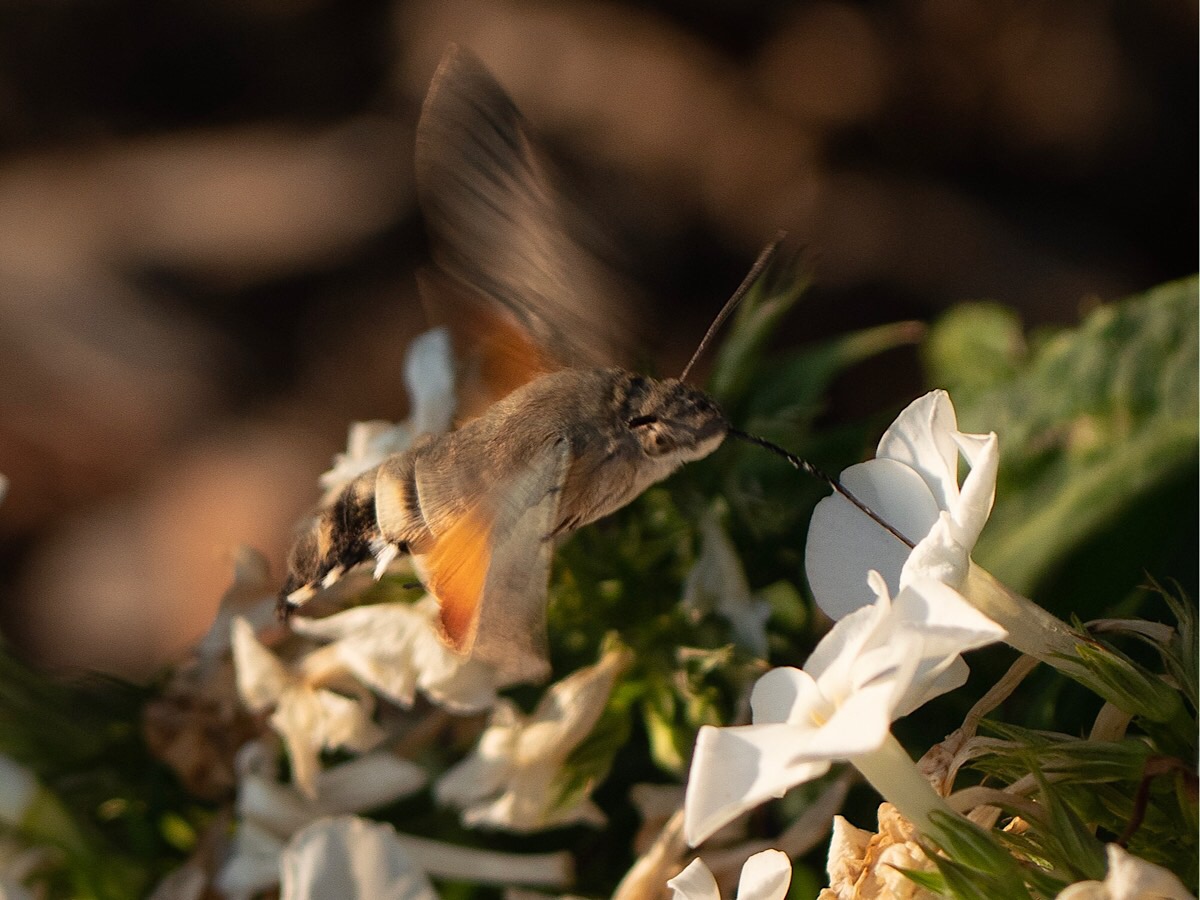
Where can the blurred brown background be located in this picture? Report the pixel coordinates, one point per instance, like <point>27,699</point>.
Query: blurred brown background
<point>207,232</point>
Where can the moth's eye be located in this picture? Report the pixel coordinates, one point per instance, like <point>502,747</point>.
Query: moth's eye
<point>641,421</point>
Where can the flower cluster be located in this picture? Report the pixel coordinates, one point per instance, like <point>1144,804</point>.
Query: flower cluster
<point>882,660</point>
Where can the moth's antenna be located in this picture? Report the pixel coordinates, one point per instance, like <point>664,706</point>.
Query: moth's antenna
<point>809,469</point>
<point>760,264</point>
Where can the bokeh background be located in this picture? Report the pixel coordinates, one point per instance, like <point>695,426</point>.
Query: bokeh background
<point>207,229</point>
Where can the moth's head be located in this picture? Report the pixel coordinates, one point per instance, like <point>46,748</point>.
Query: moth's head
<point>671,419</point>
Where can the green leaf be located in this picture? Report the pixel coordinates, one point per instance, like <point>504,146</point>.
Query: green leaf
<point>933,882</point>
<point>666,747</point>
<point>1122,681</point>
<point>967,883</point>
<point>775,292</point>
<point>1076,847</point>
<point>973,347</point>
<point>1099,418</point>
<point>1181,657</point>
<point>790,389</point>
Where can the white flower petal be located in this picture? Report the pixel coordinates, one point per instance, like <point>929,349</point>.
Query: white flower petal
<point>429,375</point>
<point>509,780</point>
<point>469,864</point>
<point>460,685</point>
<point>1132,878</point>
<point>261,678</point>
<point>394,649</point>
<point>529,805</point>
<point>350,858</point>
<point>489,766</point>
<point>766,876</point>
<point>781,695</point>
<point>861,721</point>
<point>878,663</point>
<point>974,503</point>
<point>1084,890</point>
<point>973,447</point>
<point>310,721</point>
<point>940,556</point>
<point>922,437</point>
<point>913,485</point>
<point>695,882</point>
<point>933,681</point>
<point>367,445</point>
<point>569,709</point>
<point>736,769</point>
<point>717,582</point>
<point>253,864</point>
<point>947,622</point>
<point>368,781</point>
<point>844,544</point>
<point>188,882</point>
<point>375,644</point>
<point>279,808</point>
<point>836,653</point>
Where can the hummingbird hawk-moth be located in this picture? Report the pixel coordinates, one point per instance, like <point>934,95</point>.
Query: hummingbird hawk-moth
<point>571,440</point>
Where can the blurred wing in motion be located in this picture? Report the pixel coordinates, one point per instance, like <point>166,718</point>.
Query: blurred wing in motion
<point>490,568</point>
<point>514,279</point>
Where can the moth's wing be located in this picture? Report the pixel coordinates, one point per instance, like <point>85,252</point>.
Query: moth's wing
<point>503,236</point>
<point>496,354</point>
<point>490,569</point>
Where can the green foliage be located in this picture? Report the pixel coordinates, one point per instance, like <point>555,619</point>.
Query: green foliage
<point>1093,421</point>
<point>974,867</point>
<point>114,813</point>
<point>1141,788</point>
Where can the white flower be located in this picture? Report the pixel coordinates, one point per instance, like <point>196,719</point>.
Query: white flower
<point>251,596</point>
<point>913,485</point>
<point>429,375</point>
<point>510,779</point>
<point>351,859</point>
<point>1129,878</point>
<point>718,581</point>
<point>253,863</point>
<point>369,781</point>
<point>307,713</point>
<point>766,876</point>
<point>270,812</point>
<point>348,857</point>
<point>877,664</point>
<point>394,649</point>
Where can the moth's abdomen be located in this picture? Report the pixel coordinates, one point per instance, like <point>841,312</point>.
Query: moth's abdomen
<point>339,537</point>
<point>399,515</point>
